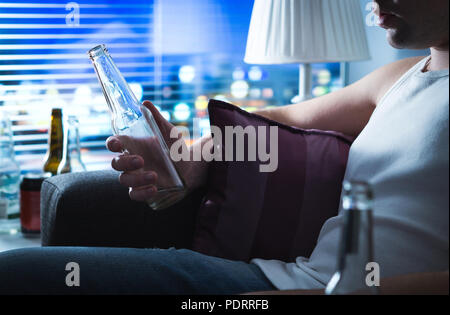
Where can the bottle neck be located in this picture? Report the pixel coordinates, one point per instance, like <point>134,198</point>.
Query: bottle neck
<point>71,161</point>
<point>73,138</point>
<point>6,148</point>
<point>6,138</point>
<point>356,246</point>
<point>122,103</point>
<point>64,165</point>
<point>356,251</point>
<point>56,141</point>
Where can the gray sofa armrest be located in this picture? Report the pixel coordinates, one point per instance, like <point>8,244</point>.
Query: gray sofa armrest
<point>94,209</point>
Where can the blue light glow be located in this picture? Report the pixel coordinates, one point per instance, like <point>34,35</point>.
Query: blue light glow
<point>186,74</point>
<point>255,74</point>
<point>182,112</point>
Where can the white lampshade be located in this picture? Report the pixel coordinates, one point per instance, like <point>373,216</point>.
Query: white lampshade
<point>306,31</point>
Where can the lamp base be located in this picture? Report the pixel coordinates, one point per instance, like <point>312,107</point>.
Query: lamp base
<point>305,84</point>
<point>298,99</point>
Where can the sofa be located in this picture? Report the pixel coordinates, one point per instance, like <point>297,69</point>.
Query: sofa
<point>93,209</point>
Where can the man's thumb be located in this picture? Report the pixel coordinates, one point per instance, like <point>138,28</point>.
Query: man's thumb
<point>155,112</point>
<point>164,126</point>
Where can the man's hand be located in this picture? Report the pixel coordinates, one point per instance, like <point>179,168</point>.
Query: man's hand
<point>142,184</point>
<point>140,161</point>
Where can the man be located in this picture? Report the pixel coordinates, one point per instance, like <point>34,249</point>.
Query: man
<point>399,115</point>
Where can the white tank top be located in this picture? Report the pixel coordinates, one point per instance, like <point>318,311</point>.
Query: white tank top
<point>404,154</point>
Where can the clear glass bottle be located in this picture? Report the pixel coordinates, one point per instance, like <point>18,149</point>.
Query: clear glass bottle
<point>356,246</point>
<point>71,161</point>
<point>138,128</point>
<point>9,180</point>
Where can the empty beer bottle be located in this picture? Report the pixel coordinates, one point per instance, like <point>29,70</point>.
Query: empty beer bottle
<point>139,130</point>
<point>71,161</point>
<point>356,248</point>
<point>56,142</point>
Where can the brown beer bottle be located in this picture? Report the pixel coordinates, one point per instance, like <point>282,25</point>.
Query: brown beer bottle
<point>56,143</point>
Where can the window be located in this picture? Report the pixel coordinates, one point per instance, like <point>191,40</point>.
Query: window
<point>176,53</point>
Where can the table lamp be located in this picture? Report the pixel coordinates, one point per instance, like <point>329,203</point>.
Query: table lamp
<point>306,32</point>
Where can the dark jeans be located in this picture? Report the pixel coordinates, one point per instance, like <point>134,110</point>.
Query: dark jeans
<point>125,271</point>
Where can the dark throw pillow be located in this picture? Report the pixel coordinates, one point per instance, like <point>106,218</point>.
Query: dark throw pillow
<point>250,214</point>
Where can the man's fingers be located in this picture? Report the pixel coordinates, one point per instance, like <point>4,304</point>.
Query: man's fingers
<point>127,163</point>
<point>135,180</point>
<point>143,194</point>
<point>114,145</point>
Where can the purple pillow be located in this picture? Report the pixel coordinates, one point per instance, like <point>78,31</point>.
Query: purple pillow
<point>248,214</point>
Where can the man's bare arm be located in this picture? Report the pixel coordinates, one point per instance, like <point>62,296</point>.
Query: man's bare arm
<point>347,110</point>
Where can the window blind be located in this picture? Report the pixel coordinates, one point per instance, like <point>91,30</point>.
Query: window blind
<point>43,64</point>
<point>176,53</point>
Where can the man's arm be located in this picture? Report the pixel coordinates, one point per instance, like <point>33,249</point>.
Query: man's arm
<point>347,110</point>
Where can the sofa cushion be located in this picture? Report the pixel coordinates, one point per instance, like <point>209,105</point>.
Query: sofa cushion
<point>247,213</point>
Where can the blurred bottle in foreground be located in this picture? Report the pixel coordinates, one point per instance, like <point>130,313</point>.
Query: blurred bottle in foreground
<point>9,180</point>
<point>356,245</point>
<point>56,143</point>
<point>71,160</point>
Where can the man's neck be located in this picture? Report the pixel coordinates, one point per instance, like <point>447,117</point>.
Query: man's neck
<point>439,59</point>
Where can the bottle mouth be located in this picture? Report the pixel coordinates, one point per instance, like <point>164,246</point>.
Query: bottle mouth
<point>57,111</point>
<point>97,51</point>
<point>357,195</point>
<point>355,187</point>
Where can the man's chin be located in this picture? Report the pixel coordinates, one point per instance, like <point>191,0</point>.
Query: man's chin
<point>396,40</point>
<point>394,43</point>
<point>406,42</point>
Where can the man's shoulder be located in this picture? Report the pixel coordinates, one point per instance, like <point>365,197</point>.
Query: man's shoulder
<point>381,80</point>
<point>400,67</point>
